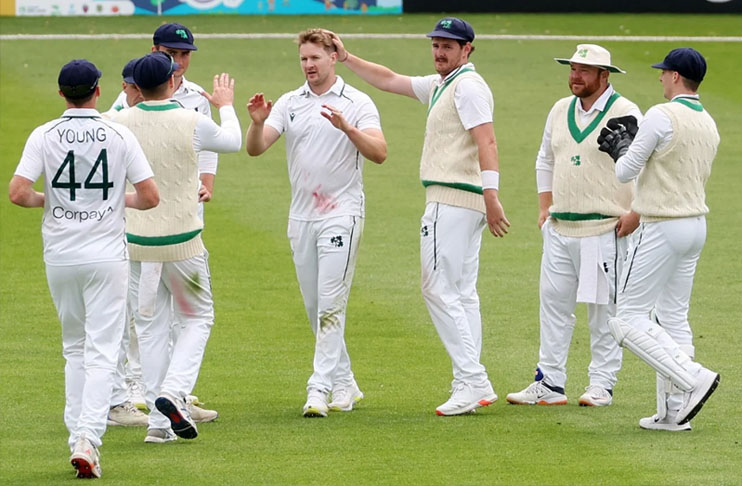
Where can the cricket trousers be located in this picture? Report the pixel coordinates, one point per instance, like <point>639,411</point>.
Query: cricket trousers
<point>450,239</point>
<point>558,294</point>
<point>91,304</point>
<point>184,286</point>
<point>659,274</point>
<point>325,254</point>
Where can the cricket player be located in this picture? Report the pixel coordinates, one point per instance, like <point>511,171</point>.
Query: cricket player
<point>330,128</point>
<point>459,169</point>
<point>177,41</point>
<point>169,262</point>
<point>670,157</point>
<point>85,161</point>
<point>585,218</point>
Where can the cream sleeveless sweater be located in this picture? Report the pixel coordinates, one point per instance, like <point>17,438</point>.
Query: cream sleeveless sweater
<point>587,196</point>
<point>171,231</point>
<point>449,166</point>
<point>672,183</point>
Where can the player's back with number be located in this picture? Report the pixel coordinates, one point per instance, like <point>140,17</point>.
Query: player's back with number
<point>85,162</point>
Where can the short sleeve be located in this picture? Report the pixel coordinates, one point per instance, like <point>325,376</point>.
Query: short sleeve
<point>31,165</point>
<point>277,117</point>
<point>474,102</point>
<point>368,116</point>
<point>422,85</point>
<point>137,165</point>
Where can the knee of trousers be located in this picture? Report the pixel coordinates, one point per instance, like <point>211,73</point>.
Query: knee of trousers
<point>618,329</point>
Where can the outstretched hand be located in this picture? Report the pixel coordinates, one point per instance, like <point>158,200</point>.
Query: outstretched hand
<point>223,91</point>
<point>336,118</point>
<point>258,108</point>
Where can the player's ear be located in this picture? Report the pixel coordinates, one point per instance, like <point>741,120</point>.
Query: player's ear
<point>60,93</point>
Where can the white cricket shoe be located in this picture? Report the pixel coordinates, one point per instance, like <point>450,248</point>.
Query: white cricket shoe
<point>344,398</point>
<point>668,423</point>
<point>466,398</point>
<point>160,436</point>
<point>706,383</point>
<point>180,419</point>
<point>127,415</point>
<point>316,405</point>
<point>85,459</point>
<point>198,414</point>
<point>135,390</point>
<point>596,396</point>
<point>537,393</point>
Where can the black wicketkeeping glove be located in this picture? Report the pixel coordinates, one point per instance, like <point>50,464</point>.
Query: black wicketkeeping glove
<point>628,122</point>
<point>616,137</point>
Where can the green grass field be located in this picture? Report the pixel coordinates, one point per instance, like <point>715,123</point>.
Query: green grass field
<point>260,352</point>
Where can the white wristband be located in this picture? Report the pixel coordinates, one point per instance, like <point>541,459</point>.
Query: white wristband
<point>490,180</point>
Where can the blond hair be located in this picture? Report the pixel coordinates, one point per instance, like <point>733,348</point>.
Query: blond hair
<point>316,36</point>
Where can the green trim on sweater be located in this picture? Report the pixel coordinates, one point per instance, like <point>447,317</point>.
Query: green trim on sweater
<point>578,135</point>
<point>455,185</point>
<point>162,240</point>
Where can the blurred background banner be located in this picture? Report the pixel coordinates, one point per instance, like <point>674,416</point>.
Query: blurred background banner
<point>596,6</point>
<point>187,7</point>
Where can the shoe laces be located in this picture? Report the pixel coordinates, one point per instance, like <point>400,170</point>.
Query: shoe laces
<point>597,391</point>
<point>538,388</point>
<point>129,407</point>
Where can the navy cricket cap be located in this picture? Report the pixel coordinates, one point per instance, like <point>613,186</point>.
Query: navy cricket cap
<point>78,79</point>
<point>154,69</point>
<point>688,62</point>
<point>176,36</point>
<point>128,72</point>
<point>453,28</point>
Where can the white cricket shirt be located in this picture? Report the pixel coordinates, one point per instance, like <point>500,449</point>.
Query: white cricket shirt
<point>86,161</point>
<point>325,168</point>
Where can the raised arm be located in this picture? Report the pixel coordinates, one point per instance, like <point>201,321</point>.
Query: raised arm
<point>484,137</point>
<point>259,136</point>
<point>376,75</point>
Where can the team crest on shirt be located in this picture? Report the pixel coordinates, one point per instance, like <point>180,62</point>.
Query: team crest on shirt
<point>575,160</point>
<point>292,115</point>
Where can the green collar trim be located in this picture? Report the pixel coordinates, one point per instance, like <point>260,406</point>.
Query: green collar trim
<point>455,185</point>
<point>691,103</point>
<point>578,135</point>
<point>161,240</point>
<point>439,89</point>
<point>170,106</point>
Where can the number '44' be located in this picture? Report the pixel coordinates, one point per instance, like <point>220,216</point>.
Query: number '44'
<point>73,185</point>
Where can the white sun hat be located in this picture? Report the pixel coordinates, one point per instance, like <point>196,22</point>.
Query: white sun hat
<point>592,55</point>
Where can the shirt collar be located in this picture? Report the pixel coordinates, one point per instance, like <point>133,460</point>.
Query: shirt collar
<point>78,112</point>
<point>337,88</point>
<point>599,103</point>
<point>689,96</point>
<point>182,89</point>
<point>453,73</point>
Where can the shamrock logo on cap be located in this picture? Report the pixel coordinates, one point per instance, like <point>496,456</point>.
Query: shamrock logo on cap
<point>446,24</point>
<point>182,33</point>
<point>582,53</point>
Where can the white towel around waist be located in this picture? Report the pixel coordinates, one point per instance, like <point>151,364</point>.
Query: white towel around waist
<point>593,283</point>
